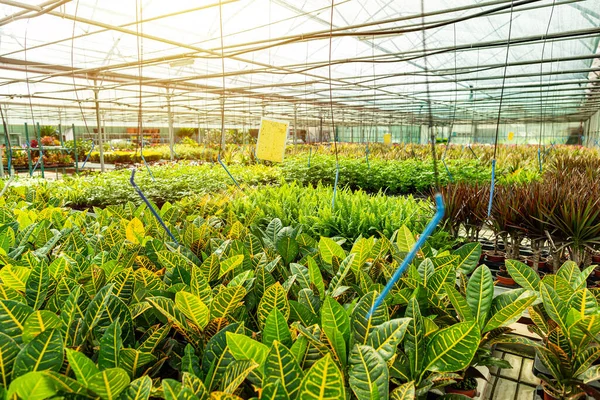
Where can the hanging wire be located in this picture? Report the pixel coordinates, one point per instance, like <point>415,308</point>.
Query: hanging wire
<point>8,145</point>
<point>439,202</point>
<point>436,173</point>
<point>223,98</point>
<point>87,129</point>
<point>540,161</point>
<point>140,52</point>
<point>333,127</point>
<point>450,177</point>
<point>35,129</point>
<point>493,182</point>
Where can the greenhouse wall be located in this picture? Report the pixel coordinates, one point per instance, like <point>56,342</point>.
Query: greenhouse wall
<point>523,133</point>
<point>592,130</point>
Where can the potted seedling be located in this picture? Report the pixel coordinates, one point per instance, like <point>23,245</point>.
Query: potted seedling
<point>504,278</point>
<point>47,141</point>
<point>567,324</point>
<point>533,223</point>
<point>493,315</point>
<point>575,217</point>
<point>48,130</point>
<point>466,387</point>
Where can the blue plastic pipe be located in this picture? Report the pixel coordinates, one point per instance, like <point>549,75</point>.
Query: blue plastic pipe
<point>154,212</point>
<point>540,159</point>
<point>444,160</point>
<point>437,218</point>
<point>226,170</point>
<point>367,155</point>
<point>492,187</point>
<point>550,148</point>
<point>7,185</point>
<point>147,167</point>
<point>35,166</point>
<point>447,171</point>
<point>88,156</point>
<point>309,155</point>
<point>473,152</point>
<point>335,185</point>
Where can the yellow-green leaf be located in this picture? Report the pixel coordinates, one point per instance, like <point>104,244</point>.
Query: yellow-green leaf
<point>193,308</point>
<point>135,231</point>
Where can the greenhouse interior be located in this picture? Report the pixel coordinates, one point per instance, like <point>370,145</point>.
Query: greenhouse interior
<point>300,199</point>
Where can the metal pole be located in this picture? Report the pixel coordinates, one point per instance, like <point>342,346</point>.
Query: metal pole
<point>171,134</point>
<point>100,138</point>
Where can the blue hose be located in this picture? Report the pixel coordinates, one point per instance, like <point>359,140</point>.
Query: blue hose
<point>447,171</point>
<point>473,152</point>
<point>540,159</point>
<point>226,170</point>
<point>35,166</point>
<point>88,156</point>
<point>367,155</point>
<point>437,218</point>
<point>147,167</point>
<point>335,185</point>
<point>158,218</point>
<point>492,187</point>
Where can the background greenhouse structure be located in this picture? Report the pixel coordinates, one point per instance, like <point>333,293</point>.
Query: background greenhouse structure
<point>299,199</point>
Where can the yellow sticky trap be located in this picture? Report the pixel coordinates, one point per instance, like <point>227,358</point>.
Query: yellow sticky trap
<point>511,135</point>
<point>387,139</point>
<point>270,145</point>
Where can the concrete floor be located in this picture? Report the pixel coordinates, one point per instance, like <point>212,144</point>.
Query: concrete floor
<point>517,383</point>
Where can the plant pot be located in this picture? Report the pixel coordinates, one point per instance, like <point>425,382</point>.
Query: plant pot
<point>597,272</point>
<point>505,279</point>
<point>549,396</point>
<point>596,259</point>
<point>542,264</point>
<point>469,393</point>
<point>495,257</point>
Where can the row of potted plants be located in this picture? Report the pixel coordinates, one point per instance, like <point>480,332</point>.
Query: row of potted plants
<point>557,215</point>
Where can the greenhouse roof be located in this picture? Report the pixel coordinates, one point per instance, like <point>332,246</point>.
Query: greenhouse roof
<point>368,60</point>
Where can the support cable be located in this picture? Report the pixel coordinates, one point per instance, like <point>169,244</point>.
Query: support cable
<point>223,99</point>
<point>542,121</point>
<point>333,127</point>
<point>493,182</point>
<point>439,201</point>
<point>139,46</point>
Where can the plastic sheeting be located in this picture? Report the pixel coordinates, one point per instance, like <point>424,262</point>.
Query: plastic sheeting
<point>51,64</point>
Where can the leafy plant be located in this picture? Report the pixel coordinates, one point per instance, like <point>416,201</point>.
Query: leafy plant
<point>567,322</point>
<point>185,132</point>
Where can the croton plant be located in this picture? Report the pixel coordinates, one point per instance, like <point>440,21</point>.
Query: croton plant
<point>105,305</point>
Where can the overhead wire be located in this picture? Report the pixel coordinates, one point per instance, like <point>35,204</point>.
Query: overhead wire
<point>140,54</point>
<point>498,120</point>
<point>37,134</point>
<point>222,140</point>
<point>333,127</point>
<point>437,217</point>
<point>436,173</point>
<point>401,31</point>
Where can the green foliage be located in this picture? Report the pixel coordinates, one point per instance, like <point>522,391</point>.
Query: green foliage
<point>102,305</point>
<point>569,326</point>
